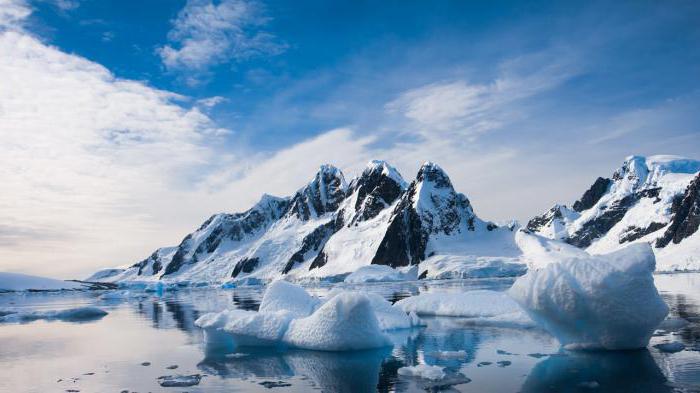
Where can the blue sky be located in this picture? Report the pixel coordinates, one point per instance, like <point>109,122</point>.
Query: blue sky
<point>136,120</point>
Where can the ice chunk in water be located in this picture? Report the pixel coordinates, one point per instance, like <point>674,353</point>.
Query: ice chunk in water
<point>80,314</point>
<point>345,322</point>
<point>170,381</point>
<point>433,373</point>
<point>595,301</point>
<point>285,296</point>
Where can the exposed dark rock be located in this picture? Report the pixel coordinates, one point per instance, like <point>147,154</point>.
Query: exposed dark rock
<point>375,192</point>
<point>323,195</point>
<point>600,225</point>
<point>686,218</point>
<point>423,275</point>
<point>245,265</point>
<point>440,210</point>
<point>404,241</point>
<point>593,194</point>
<point>320,260</point>
<point>634,233</point>
<point>541,221</point>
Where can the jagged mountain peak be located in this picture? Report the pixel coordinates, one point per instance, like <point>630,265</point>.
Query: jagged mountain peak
<point>433,173</point>
<point>322,195</point>
<point>376,167</point>
<point>379,185</point>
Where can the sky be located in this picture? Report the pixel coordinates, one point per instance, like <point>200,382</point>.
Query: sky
<point>125,124</point>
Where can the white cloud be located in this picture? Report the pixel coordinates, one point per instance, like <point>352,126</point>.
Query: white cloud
<point>470,109</point>
<point>13,13</point>
<point>91,166</point>
<point>205,34</point>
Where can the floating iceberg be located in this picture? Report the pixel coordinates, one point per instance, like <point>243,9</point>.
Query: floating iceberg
<point>284,296</point>
<point>80,314</point>
<point>346,322</point>
<point>289,316</point>
<point>433,373</point>
<point>378,273</point>
<point>592,301</point>
<point>481,307</point>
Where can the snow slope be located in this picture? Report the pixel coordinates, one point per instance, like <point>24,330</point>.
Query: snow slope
<point>653,200</point>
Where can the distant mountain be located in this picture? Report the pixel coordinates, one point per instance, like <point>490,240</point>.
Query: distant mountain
<point>649,199</point>
<point>330,228</point>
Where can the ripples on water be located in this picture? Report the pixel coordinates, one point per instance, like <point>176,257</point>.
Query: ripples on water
<point>107,355</point>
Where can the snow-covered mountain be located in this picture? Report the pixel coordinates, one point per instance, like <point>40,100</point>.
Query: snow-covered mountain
<point>330,228</point>
<point>649,199</point>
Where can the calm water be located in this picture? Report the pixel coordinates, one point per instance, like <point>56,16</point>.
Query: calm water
<point>107,355</point>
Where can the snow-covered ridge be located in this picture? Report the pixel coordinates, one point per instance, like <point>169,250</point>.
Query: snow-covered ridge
<point>638,203</point>
<point>330,228</point>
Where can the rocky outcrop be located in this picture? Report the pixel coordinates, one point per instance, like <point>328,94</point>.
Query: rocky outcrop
<point>593,194</point>
<point>686,216</point>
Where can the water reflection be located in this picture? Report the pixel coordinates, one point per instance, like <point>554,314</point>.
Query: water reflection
<point>358,371</point>
<point>160,329</point>
<point>621,371</point>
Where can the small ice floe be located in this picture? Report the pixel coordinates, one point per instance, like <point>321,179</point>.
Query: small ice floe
<point>378,273</point>
<point>146,364</point>
<point>482,364</point>
<point>432,377</point>
<point>481,307</point>
<point>424,371</point>
<point>504,363</point>
<point>289,316</point>
<point>173,367</point>
<point>170,381</point>
<point>592,301</point>
<point>589,384</point>
<point>461,354</point>
<point>79,314</point>
<point>115,296</point>
<point>670,347</point>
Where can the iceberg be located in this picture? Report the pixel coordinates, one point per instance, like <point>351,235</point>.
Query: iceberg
<point>281,295</point>
<point>346,322</point>
<point>592,301</point>
<point>80,314</point>
<point>433,373</point>
<point>482,307</point>
<point>378,273</point>
<point>289,316</point>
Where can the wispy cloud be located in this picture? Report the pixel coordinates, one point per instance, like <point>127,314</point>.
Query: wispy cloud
<point>468,109</point>
<point>13,13</point>
<point>205,33</point>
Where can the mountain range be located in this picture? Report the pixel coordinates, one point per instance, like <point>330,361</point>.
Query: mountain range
<point>330,228</point>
